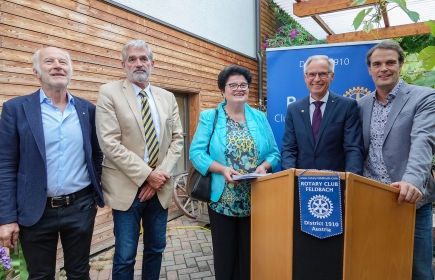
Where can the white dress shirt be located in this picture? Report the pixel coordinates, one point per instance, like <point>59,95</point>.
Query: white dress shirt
<point>154,112</point>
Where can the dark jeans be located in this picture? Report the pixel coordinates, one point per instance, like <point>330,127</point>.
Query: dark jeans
<point>126,231</point>
<point>423,244</point>
<point>75,225</point>
<point>231,237</point>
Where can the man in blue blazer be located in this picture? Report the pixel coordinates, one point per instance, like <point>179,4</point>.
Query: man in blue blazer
<point>322,130</point>
<point>50,171</point>
<point>399,139</point>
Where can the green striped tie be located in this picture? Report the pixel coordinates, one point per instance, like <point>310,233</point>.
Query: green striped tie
<point>150,131</point>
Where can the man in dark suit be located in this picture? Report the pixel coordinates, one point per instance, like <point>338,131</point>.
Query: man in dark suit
<point>399,139</point>
<point>50,171</point>
<point>322,130</point>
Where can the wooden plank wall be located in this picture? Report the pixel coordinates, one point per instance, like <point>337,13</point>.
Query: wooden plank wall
<point>94,33</point>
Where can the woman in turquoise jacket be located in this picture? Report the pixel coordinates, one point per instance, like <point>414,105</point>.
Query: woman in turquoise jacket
<point>242,143</point>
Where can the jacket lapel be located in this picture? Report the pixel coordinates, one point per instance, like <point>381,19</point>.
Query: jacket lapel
<point>399,101</point>
<point>130,96</point>
<point>330,106</point>
<point>32,110</point>
<point>252,126</point>
<point>83,115</point>
<point>305,112</point>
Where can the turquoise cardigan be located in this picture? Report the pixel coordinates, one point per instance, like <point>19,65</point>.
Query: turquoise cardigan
<point>259,129</point>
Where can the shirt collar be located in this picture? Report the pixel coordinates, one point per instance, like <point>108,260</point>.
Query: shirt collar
<point>393,92</point>
<point>137,89</point>
<point>324,99</point>
<point>44,99</point>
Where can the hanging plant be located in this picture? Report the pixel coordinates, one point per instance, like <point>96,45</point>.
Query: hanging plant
<point>289,33</point>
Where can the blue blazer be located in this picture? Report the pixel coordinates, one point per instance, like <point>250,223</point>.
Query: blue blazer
<point>339,144</point>
<point>23,169</point>
<point>259,129</point>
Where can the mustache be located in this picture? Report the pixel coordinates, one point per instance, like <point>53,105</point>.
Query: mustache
<point>140,69</point>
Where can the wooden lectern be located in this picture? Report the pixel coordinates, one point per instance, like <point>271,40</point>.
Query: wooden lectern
<point>376,244</point>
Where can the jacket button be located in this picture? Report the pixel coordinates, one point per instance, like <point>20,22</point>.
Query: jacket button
<point>143,149</point>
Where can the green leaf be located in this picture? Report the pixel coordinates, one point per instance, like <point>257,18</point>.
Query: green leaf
<point>358,19</point>
<point>368,26</point>
<point>414,16</point>
<point>358,2</point>
<point>426,52</point>
<point>431,24</point>
<point>428,80</point>
<point>427,56</point>
<point>429,63</point>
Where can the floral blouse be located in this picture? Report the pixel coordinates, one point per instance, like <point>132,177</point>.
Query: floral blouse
<point>241,154</point>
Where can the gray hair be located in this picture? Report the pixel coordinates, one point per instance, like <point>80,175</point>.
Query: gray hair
<point>386,45</point>
<point>37,66</point>
<point>138,45</point>
<point>318,57</point>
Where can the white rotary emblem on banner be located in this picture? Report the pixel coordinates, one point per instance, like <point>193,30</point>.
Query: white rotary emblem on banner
<point>320,206</point>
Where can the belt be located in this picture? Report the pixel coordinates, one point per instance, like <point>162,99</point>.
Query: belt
<point>64,200</point>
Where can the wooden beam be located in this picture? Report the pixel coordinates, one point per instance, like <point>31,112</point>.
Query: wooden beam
<point>317,7</point>
<point>385,16</point>
<point>323,25</point>
<point>380,33</point>
<point>319,21</point>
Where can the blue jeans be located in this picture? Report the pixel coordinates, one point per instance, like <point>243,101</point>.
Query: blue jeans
<point>126,231</point>
<point>423,244</point>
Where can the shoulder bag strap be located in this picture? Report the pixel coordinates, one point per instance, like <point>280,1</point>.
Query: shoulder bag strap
<point>212,131</point>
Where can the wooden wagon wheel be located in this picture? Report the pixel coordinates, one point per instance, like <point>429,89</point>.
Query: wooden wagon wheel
<point>187,205</point>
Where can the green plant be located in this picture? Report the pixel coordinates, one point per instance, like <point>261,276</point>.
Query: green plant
<point>416,43</point>
<point>289,32</point>
<point>5,263</point>
<point>370,20</point>
<point>419,68</point>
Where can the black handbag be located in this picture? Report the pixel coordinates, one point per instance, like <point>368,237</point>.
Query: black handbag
<point>198,186</point>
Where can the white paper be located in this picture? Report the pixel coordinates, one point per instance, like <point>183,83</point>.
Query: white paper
<point>248,176</point>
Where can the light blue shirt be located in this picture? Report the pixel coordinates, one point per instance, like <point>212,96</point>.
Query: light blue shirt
<point>154,112</point>
<point>67,171</point>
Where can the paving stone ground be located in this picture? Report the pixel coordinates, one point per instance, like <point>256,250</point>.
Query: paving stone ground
<point>188,254</point>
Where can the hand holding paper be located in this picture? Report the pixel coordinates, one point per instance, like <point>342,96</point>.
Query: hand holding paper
<point>249,176</point>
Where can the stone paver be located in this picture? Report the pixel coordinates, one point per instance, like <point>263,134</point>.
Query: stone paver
<point>188,254</point>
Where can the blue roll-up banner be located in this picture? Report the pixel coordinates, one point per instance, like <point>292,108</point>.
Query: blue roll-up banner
<point>285,77</point>
<point>320,205</point>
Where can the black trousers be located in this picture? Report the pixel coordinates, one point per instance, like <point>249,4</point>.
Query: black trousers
<point>75,224</point>
<point>231,237</point>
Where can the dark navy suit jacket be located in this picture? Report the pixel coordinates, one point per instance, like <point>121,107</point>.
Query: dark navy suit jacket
<point>23,169</point>
<point>339,144</point>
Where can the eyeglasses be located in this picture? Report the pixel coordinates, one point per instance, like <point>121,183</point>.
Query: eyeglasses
<point>243,86</point>
<point>322,75</point>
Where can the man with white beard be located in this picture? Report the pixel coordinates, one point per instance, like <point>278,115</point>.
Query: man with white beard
<point>140,134</point>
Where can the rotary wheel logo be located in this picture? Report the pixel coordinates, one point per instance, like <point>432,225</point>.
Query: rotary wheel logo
<point>356,92</point>
<point>320,206</point>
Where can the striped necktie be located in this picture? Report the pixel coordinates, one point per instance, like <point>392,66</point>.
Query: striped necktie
<point>150,131</point>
